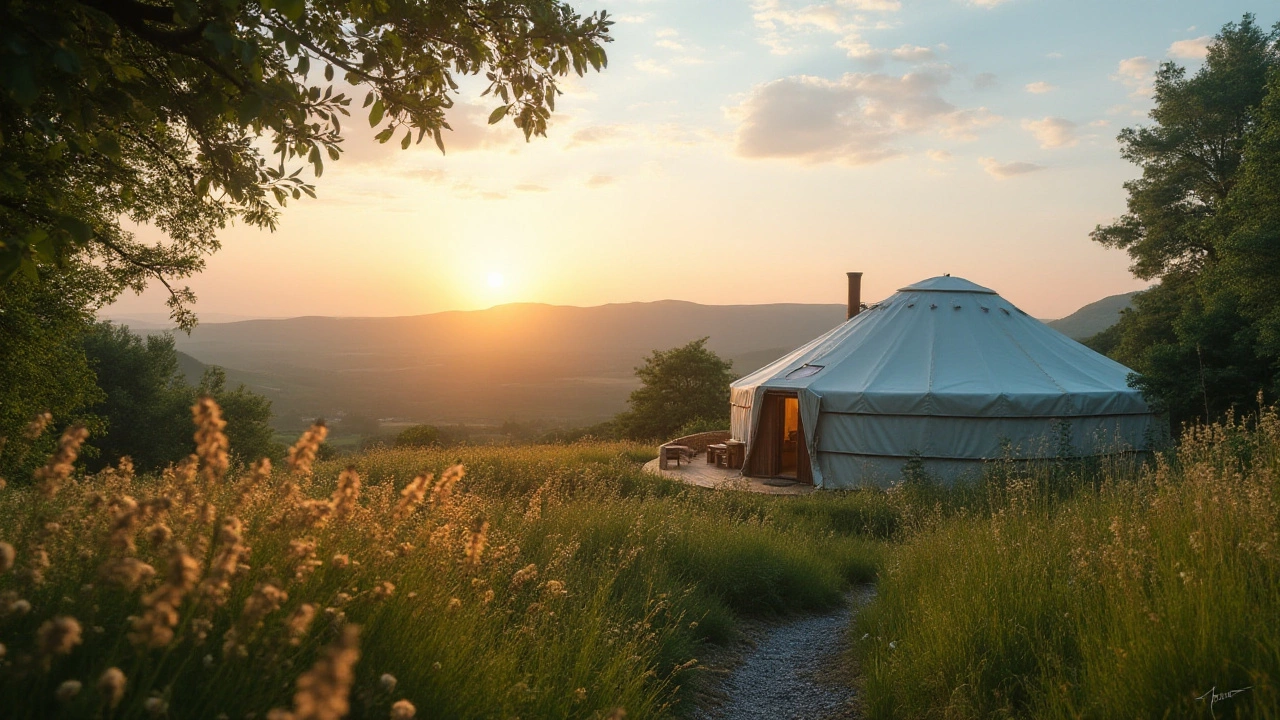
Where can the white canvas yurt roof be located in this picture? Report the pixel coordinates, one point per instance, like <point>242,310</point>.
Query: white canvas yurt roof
<point>951,371</point>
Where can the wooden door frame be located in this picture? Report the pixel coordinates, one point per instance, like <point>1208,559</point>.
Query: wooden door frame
<point>766,446</point>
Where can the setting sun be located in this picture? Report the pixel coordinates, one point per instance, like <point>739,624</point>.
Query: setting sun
<point>496,280</point>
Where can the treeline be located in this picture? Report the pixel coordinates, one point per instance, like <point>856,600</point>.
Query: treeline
<point>127,390</point>
<point>1204,221</point>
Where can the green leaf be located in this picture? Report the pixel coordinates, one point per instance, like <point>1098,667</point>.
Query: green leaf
<point>498,113</point>
<point>385,135</point>
<point>328,73</point>
<point>108,145</point>
<point>408,137</point>
<point>375,114</point>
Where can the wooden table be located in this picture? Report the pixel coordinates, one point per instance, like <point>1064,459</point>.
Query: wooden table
<point>715,452</point>
<point>735,454</point>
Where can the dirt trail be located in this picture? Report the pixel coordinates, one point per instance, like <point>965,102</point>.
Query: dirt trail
<point>794,670</point>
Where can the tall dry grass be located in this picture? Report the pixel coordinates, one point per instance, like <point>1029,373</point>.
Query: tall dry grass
<point>1117,592</point>
<point>463,583</point>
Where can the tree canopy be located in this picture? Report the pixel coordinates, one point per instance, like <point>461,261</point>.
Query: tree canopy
<point>153,111</point>
<point>679,387</point>
<point>1202,220</point>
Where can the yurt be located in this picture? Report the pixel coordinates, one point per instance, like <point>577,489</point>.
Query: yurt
<point>945,370</point>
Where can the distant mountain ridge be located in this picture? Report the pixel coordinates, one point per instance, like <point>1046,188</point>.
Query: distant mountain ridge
<point>524,361</point>
<point>1094,317</point>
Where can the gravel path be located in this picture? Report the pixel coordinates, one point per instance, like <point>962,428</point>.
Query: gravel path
<point>788,673</point>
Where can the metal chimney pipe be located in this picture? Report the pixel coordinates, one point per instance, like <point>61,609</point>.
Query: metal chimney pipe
<point>855,294</point>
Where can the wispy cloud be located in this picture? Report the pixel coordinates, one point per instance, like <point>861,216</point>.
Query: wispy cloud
<point>1191,49</point>
<point>1039,87</point>
<point>599,181</point>
<point>1001,170</point>
<point>785,26</point>
<point>857,119</point>
<point>1052,132</point>
<point>1135,73</point>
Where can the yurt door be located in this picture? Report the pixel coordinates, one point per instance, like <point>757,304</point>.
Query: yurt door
<point>780,449</point>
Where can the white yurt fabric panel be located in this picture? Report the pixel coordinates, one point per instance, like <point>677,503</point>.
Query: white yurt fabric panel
<point>952,371</point>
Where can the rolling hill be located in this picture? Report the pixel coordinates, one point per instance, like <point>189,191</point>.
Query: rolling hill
<point>563,365</point>
<point>1094,317</point>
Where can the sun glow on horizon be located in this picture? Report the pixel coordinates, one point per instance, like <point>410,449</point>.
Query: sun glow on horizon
<point>496,280</point>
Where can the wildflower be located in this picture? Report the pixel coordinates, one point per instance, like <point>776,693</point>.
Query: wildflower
<point>155,627</point>
<point>487,597</point>
<point>7,556</point>
<point>303,554</point>
<point>258,475</point>
<point>454,604</point>
<point>323,691</point>
<point>347,494</point>
<point>10,603</point>
<point>67,691</point>
<point>442,493</point>
<point>303,453</point>
<point>524,575</point>
<point>265,599</point>
<point>58,636</point>
<point>216,585</point>
<point>207,661</point>
<point>155,706</point>
<point>388,682</point>
<point>111,685</point>
<point>340,561</point>
<point>62,463</point>
<point>299,622</point>
<point>617,714</point>
<point>211,441</point>
<point>403,710</point>
<point>39,562</point>
<point>476,541</point>
<point>555,589</point>
<point>411,497</point>
<point>580,694</point>
<point>127,572</point>
<point>36,427</point>
<point>436,665</point>
<point>404,549</point>
<point>383,590</point>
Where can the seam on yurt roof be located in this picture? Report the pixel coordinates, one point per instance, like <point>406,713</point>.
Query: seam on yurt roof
<point>959,459</point>
<point>1023,350</point>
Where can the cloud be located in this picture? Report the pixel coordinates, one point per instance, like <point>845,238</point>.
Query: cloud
<point>783,22</point>
<point>599,181</point>
<point>1001,170</point>
<point>594,135</point>
<point>1052,132</point>
<point>940,156</point>
<point>531,187</point>
<point>1135,74</point>
<point>1100,123</point>
<point>1054,55</point>
<point>982,81</point>
<point>988,4</point>
<point>912,53</point>
<point>1039,87</point>
<point>1191,49</point>
<point>857,119</point>
<point>679,53</point>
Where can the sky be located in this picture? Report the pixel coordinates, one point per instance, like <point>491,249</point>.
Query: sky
<point>749,152</point>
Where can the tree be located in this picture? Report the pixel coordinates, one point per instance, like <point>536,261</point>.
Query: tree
<point>418,436</point>
<point>147,403</point>
<point>678,387</point>
<point>1195,338</point>
<point>150,110</point>
<point>248,416</point>
<point>43,368</point>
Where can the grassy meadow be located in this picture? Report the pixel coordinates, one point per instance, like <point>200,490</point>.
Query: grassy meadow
<point>562,581</point>
<point>1103,590</point>
<point>555,581</point>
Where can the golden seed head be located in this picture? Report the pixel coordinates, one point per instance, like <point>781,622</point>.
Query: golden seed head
<point>403,710</point>
<point>111,686</point>
<point>387,682</point>
<point>67,691</point>
<point>58,636</point>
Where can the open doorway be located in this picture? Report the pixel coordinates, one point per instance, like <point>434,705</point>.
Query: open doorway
<point>789,462</point>
<point>779,448</point>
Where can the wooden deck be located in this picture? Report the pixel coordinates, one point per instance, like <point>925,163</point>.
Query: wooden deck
<point>701,474</point>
